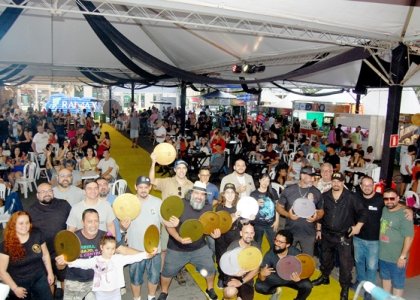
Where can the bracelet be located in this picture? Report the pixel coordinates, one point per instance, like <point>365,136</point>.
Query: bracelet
<point>318,230</point>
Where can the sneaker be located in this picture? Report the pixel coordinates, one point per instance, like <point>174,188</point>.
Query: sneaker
<point>180,278</point>
<point>277,294</point>
<point>162,296</point>
<point>211,294</point>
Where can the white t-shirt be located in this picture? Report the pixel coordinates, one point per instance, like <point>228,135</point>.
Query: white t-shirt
<point>109,274</point>
<point>40,140</point>
<point>72,195</point>
<point>104,209</point>
<point>160,134</point>
<point>406,160</point>
<point>103,165</point>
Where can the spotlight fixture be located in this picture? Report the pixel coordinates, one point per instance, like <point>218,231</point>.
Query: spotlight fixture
<point>236,68</point>
<point>248,68</point>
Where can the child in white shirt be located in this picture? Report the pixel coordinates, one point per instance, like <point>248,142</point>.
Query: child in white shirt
<point>109,269</point>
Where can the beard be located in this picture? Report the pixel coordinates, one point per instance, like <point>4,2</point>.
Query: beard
<point>196,205</point>
<point>46,202</point>
<point>279,250</point>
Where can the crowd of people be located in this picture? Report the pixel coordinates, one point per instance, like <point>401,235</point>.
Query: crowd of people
<point>344,220</point>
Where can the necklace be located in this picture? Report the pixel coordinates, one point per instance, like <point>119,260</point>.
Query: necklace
<point>300,192</point>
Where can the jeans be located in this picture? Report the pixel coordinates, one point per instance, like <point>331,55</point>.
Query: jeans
<point>366,255</point>
<point>37,288</point>
<point>259,234</point>
<point>269,285</point>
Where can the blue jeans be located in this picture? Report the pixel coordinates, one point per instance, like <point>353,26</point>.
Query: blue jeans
<point>366,255</point>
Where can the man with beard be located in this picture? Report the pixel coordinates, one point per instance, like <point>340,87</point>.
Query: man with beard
<point>183,250</point>
<point>245,283</point>
<point>395,239</point>
<point>269,281</point>
<point>303,230</point>
<point>65,190</point>
<point>342,210</point>
<point>243,182</point>
<point>49,215</point>
<point>366,243</point>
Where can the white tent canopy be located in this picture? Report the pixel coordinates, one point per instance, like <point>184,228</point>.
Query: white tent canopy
<point>345,97</point>
<point>269,99</point>
<point>375,102</point>
<point>53,40</point>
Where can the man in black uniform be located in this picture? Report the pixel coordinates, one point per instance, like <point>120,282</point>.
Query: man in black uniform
<point>49,215</point>
<point>341,211</point>
<point>268,279</point>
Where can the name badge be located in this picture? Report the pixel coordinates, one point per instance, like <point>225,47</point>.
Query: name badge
<point>372,207</point>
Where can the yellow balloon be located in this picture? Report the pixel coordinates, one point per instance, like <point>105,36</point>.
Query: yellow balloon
<point>415,119</point>
<point>165,153</point>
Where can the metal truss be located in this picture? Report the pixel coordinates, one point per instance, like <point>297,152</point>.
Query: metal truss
<point>204,21</point>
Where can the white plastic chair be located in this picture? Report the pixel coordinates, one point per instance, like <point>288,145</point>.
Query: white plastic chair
<point>4,216</point>
<point>278,187</point>
<point>28,178</point>
<point>119,187</point>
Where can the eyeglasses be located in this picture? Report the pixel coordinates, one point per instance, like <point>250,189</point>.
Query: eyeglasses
<point>280,242</point>
<point>179,191</point>
<point>389,198</point>
<point>65,175</point>
<point>45,192</point>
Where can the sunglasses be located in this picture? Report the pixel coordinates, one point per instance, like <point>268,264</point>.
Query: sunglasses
<point>389,198</point>
<point>179,191</point>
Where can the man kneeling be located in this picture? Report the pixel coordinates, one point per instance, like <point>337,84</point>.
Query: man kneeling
<point>268,281</point>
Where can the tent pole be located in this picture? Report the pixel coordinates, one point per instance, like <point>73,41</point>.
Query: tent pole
<point>183,99</point>
<point>110,106</point>
<point>357,109</point>
<point>399,67</point>
<point>133,84</point>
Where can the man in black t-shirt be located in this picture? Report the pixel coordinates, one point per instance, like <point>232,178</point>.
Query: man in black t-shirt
<point>182,250</point>
<point>244,284</point>
<point>332,158</point>
<point>268,279</point>
<point>49,215</point>
<point>88,139</point>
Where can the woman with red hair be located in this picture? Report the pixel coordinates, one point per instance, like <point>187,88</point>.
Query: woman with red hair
<point>25,263</point>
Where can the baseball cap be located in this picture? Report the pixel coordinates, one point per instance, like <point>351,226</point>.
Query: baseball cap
<point>229,186</point>
<point>143,179</point>
<point>307,171</point>
<point>199,186</point>
<point>338,176</point>
<point>180,162</point>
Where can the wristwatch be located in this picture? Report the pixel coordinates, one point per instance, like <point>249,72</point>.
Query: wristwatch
<point>403,257</point>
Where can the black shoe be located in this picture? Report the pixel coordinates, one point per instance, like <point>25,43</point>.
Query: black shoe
<point>321,280</point>
<point>162,296</point>
<point>344,295</point>
<point>58,294</point>
<point>211,294</point>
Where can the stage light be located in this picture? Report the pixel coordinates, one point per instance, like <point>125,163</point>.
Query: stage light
<point>236,68</point>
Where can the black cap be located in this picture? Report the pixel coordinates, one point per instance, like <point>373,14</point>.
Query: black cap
<point>229,186</point>
<point>143,180</point>
<point>338,176</point>
<point>308,171</point>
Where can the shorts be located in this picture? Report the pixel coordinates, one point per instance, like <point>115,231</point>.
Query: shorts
<point>134,133</point>
<point>201,258</point>
<point>406,178</point>
<point>152,267</point>
<point>390,271</point>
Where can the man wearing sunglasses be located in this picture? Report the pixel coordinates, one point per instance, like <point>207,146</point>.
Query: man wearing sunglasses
<point>395,239</point>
